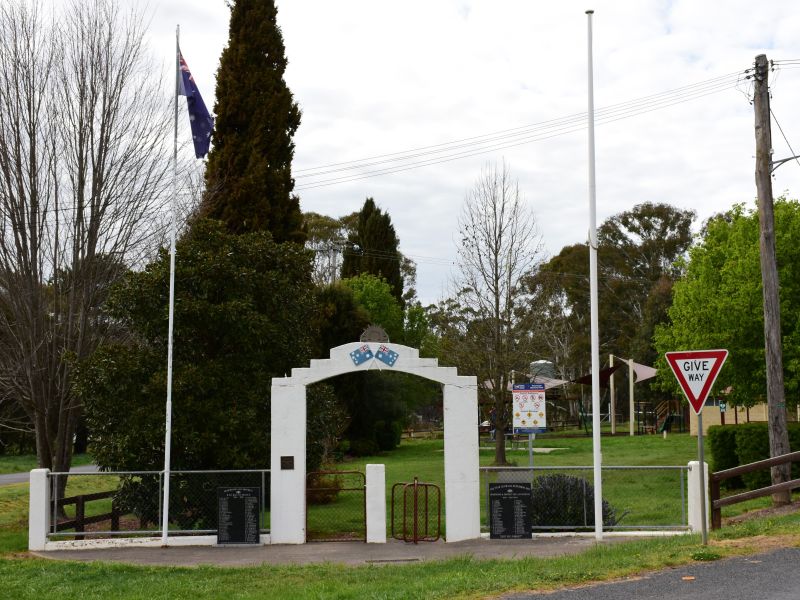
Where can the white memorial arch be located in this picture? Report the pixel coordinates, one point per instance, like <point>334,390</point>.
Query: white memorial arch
<point>288,435</point>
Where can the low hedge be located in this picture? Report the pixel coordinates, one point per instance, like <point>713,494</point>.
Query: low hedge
<point>722,446</point>
<point>734,445</point>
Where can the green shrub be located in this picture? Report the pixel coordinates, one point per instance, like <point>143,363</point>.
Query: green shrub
<point>322,489</point>
<point>564,500</point>
<point>326,420</point>
<point>363,447</point>
<point>751,444</point>
<point>794,445</point>
<point>387,434</point>
<point>722,445</point>
<point>794,439</point>
<point>192,498</point>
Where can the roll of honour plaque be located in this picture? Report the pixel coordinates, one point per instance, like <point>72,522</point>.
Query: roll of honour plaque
<point>509,511</point>
<point>237,509</point>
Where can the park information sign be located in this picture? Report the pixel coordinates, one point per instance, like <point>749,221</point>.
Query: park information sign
<point>238,509</point>
<point>529,408</point>
<point>509,511</point>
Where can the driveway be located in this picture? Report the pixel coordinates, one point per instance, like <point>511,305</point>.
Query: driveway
<point>10,478</point>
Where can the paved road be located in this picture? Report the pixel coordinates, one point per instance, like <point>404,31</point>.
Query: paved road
<point>23,477</point>
<point>771,576</point>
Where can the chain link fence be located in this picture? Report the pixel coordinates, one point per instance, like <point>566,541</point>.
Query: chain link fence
<point>562,498</point>
<point>129,503</point>
<point>336,506</point>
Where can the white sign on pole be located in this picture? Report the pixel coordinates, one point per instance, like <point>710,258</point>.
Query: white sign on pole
<point>529,408</point>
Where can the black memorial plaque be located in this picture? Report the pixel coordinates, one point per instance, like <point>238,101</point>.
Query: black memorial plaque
<point>509,511</point>
<point>238,518</point>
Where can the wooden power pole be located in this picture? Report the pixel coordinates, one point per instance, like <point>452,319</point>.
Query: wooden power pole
<point>776,403</point>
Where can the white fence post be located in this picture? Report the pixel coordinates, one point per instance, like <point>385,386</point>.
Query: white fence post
<point>693,498</point>
<point>376,504</point>
<point>39,509</point>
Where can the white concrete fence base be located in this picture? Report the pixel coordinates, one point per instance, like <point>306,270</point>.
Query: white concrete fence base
<point>39,509</point>
<point>376,504</point>
<point>693,498</point>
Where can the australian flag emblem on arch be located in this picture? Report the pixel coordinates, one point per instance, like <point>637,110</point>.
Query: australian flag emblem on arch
<point>386,355</point>
<point>361,355</point>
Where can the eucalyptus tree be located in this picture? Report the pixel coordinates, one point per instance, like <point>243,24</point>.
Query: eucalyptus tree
<point>718,304</point>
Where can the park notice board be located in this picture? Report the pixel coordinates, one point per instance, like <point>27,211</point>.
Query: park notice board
<point>529,408</point>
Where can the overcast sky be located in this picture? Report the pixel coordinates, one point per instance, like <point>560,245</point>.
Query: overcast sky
<point>374,78</point>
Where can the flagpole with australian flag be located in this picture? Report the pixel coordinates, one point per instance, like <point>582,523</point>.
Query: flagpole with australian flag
<point>202,126</point>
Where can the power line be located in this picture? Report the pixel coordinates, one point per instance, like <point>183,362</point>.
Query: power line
<point>472,146</point>
<point>474,152</point>
<point>515,131</point>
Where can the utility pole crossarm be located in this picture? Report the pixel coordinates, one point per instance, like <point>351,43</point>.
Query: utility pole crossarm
<point>777,163</point>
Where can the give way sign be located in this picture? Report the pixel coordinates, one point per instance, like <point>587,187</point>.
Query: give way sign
<point>696,371</point>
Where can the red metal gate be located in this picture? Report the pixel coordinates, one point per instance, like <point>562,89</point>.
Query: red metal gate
<point>416,512</point>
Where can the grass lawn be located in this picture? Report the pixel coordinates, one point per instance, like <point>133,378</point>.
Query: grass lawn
<point>26,577</point>
<point>26,462</point>
<point>648,497</point>
<point>462,578</point>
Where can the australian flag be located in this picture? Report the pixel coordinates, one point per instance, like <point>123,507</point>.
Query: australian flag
<point>361,355</point>
<point>202,123</point>
<point>385,355</point>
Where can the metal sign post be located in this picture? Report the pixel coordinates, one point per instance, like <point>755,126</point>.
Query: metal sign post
<point>702,468</point>
<point>531,437</point>
<point>696,371</point>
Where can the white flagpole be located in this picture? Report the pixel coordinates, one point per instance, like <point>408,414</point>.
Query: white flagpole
<point>597,456</point>
<point>168,429</point>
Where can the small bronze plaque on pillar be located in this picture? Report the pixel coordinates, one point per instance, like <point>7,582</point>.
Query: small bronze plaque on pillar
<point>287,463</point>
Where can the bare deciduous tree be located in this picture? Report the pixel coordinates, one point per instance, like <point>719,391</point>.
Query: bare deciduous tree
<point>84,164</point>
<point>499,247</point>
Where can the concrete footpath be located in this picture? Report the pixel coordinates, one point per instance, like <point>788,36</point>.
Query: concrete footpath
<point>349,553</point>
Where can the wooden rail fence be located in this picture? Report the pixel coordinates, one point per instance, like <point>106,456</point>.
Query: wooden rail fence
<point>717,478</point>
<point>80,521</point>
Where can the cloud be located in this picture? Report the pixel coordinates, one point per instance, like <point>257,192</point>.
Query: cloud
<point>375,78</point>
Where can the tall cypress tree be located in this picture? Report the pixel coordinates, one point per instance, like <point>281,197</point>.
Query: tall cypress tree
<point>377,249</point>
<point>248,178</point>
